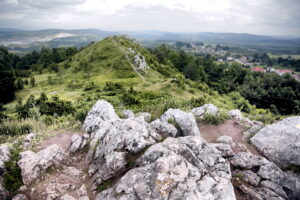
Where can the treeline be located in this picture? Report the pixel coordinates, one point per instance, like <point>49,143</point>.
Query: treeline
<point>13,68</point>
<point>280,94</point>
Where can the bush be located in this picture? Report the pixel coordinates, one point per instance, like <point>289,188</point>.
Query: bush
<point>43,106</point>
<point>89,86</point>
<point>80,115</point>
<point>110,86</point>
<point>12,177</point>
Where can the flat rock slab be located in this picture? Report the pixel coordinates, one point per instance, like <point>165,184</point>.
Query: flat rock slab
<point>280,142</point>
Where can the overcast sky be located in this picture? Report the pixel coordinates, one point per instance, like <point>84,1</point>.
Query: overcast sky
<point>266,17</point>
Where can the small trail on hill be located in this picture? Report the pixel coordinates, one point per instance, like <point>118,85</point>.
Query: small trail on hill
<point>123,50</point>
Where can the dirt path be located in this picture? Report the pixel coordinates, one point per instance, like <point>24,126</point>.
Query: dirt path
<point>230,128</point>
<point>127,58</point>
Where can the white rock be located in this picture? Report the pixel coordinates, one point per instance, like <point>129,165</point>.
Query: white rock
<point>225,139</point>
<point>100,112</point>
<point>3,192</point>
<point>67,197</point>
<point>164,128</point>
<point>77,143</point>
<point>145,115</point>
<point>206,109</point>
<point>280,142</point>
<point>28,140</point>
<point>128,114</point>
<point>186,121</point>
<point>20,197</point>
<point>33,165</point>
<point>236,114</point>
<point>4,157</point>
<point>176,169</point>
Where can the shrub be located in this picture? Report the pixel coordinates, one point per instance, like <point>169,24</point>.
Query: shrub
<point>89,86</point>
<point>110,86</point>
<point>80,115</point>
<point>12,177</point>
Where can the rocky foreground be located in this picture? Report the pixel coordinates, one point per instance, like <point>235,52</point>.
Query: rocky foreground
<point>130,159</point>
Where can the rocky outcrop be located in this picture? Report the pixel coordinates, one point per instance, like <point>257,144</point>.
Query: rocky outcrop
<point>206,109</point>
<point>33,165</point>
<point>139,61</point>
<point>20,197</point>
<point>186,121</point>
<point>235,114</point>
<point>178,168</point>
<point>259,178</point>
<point>128,114</point>
<point>100,112</point>
<point>225,149</point>
<point>4,156</point>
<point>78,142</point>
<point>114,142</point>
<point>164,128</point>
<point>28,140</point>
<point>225,139</point>
<point>145,115</point>
<point>3,192</point>
<point>254,128</point>
<point>280,142</point>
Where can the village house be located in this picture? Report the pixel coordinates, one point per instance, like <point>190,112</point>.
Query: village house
<point>258,69</point>
<point>281,72</point>
<point>296,77</point>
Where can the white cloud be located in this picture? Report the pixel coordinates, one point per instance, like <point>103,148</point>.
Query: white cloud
<point>253,16</point>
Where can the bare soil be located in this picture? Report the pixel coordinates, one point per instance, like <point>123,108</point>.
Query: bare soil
<point>232,128</point>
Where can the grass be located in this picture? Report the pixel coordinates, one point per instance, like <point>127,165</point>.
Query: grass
<point>215,119</point>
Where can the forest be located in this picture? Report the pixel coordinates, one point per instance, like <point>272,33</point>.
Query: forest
<point>280,94</point>
<point>14,68</point>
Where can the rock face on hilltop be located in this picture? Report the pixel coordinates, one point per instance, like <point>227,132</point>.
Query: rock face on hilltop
<point>101,111</point>
<point>178,168</point>
<point>280,142</point>
<point>166,159</point>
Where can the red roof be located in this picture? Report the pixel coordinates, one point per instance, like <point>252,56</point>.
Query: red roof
<point>258,69</point>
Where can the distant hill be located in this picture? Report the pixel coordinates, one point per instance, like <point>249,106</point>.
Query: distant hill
<point>25,40</point>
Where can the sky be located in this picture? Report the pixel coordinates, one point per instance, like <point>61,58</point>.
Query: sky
<point>264,17</point>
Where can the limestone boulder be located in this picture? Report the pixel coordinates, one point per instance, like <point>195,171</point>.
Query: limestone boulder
<point>280,142</point>
<point>33,165</point>
<point>100,112</point>
<point>186,121</point>
<point>178,168</point>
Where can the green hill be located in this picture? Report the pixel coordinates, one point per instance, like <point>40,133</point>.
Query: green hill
<point>109,70</point>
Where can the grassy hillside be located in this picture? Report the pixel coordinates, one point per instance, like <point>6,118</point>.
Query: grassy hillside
<point>104,70</point>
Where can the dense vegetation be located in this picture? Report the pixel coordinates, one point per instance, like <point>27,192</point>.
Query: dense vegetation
<point>281,94</point>
<point>13,68</point>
